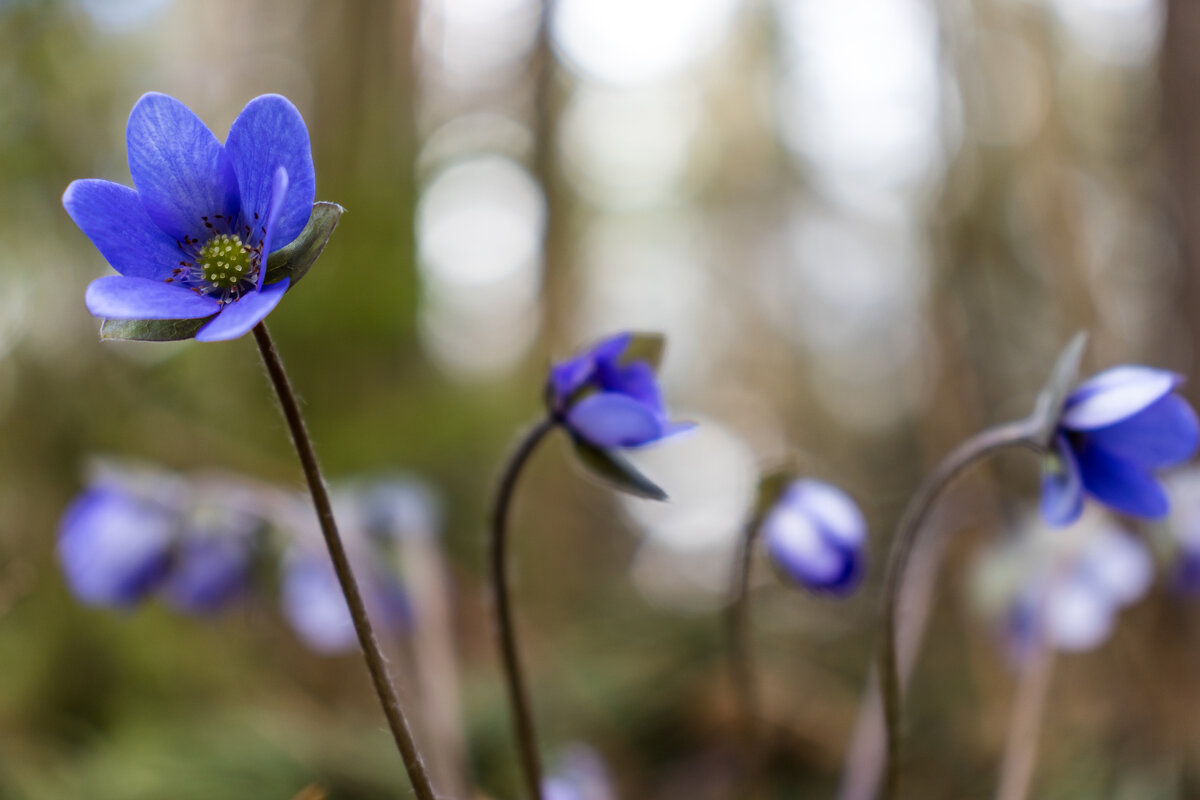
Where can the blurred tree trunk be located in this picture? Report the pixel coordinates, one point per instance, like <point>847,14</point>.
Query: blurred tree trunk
<point>1180,79</point>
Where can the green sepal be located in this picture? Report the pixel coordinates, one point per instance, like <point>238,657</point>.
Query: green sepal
<point>771,487</point>
<point>294,260</point>
<point>616,471</point>
<point>646,347</point>
<point>1048,408</point>
<point>151,330</point>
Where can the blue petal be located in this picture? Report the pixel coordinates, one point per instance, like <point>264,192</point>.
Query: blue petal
<point>1062,486</point>
<point>1114,395</point>
<point>1117,565</point>
<point>113,548</point>
<point>210,572</point>
<point>113,218</point>
<point>798,546</point>
<point>240,316</point>
<point>314,605</point>
<point>636,380</point>
<point>118,297</point>
<point>181,171</point>
<point>833,511</point>
<point>568,377</point>
<point>1165,433</point>
<point>610,349</point>
<point>613,420</point>
<point>1122,484</point>
<point>1077,617</point>
<point>270,226</point>
<point>268,134</point>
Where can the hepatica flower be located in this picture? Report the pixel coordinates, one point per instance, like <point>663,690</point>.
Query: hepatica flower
<point>114,547</point>
<point>816,535</point>
<point>192,239</point>
<point>608,396</point>
<point>1115,430</point>
<point>1071,584</point>
<point>314,605</point>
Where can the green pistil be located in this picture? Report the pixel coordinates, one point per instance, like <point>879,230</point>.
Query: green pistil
<point>225,261</point>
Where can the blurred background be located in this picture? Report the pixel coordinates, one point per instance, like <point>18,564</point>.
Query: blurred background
<point>865,226</point>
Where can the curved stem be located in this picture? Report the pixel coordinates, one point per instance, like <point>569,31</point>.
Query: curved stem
<point>518,694</point>
<point>376,663</point>
<point>741,658</point>
<point>1020,752</point>
<point>976,448</point>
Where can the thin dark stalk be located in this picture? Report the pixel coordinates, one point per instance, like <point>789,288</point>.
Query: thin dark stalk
<point>980,446</point>
<point>865,758</point>
<point>1020,752</point>
<point>514,675</point>
<point>376,663</point>
<point>741,659</point>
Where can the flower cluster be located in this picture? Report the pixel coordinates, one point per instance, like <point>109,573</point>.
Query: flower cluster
<point>192,239</point>
<point>202,542</point>
<point>1063,587</point>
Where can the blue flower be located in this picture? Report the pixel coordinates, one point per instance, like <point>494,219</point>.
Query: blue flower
<point>607,399</point>
<point>1115,430</point>
<point>191,241</point>
<point>1071,588</point>
<point>137,532</point>
<point>581,775</point>
<point>114,546</point>
<point>212,558</point>
<point>817,536</point>
<point>315,607</point>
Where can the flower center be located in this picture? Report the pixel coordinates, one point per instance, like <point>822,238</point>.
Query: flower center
<point>224,260</point>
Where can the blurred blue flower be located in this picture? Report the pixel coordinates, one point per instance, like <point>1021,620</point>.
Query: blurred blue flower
<point>607,399</point>
<point>213,557</point>
<point>816,534</point>
<point>315,607</point>
<point>135,532</point>
<point>114,546</point>
<point>1115,429</point>
<point>191,241</point>
<point>1070,599</point>
<point>581,775</point>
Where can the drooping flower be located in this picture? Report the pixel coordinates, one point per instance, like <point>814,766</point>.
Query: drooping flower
<point>114,546</point>
<point>192,239</point>
<point>817,536</point>
<point>1115,430</point>
<point>609,398</point>
<point>1063,587</point>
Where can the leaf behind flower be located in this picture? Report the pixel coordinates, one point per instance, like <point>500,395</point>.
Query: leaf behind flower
<point>616,471</point>
<point>151,330</point>
<point>294,260</point>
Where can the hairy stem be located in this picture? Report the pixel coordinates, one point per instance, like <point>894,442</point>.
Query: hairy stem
<point>980,446</point>
<point>741,659</point>
<point>518,694</point>
<point>376,663</point>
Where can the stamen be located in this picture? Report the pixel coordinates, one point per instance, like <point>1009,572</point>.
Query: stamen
<point>223,262</point>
